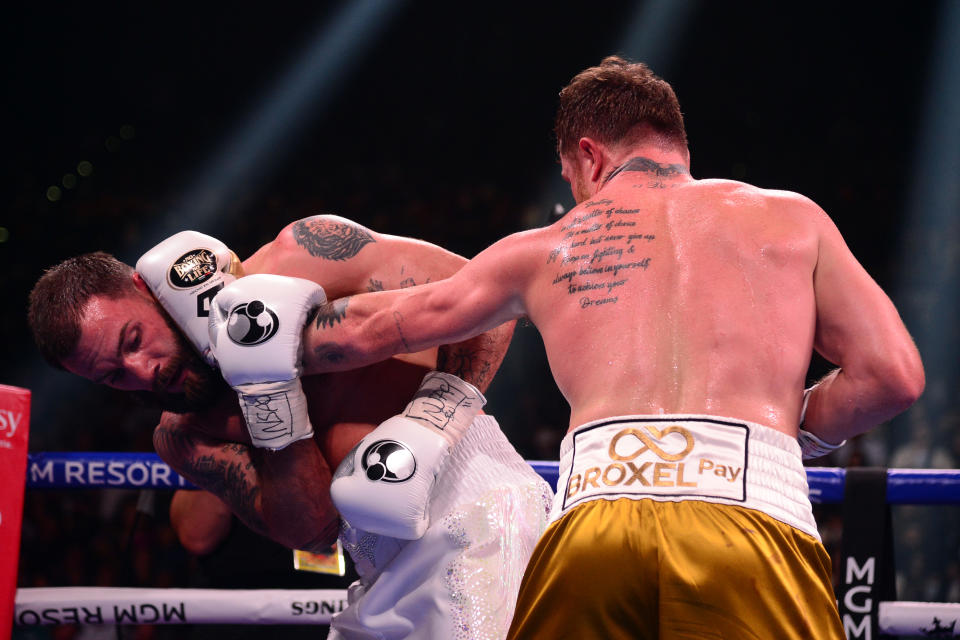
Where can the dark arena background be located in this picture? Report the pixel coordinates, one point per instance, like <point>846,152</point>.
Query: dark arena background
<point>126,122</point>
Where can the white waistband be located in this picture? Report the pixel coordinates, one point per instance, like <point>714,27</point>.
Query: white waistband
<point>685,457</point>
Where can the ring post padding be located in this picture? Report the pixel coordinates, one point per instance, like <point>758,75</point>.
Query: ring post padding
<point>866,560</point>
<point>14,424</point>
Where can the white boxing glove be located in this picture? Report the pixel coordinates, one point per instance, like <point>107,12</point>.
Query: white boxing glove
<point>383,486</point>
<point>810,445</point>
<point>184,273</point>
<point>256,324</point>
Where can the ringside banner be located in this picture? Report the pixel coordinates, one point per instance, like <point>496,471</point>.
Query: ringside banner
<point>118,470</point>
<point>14,426</point>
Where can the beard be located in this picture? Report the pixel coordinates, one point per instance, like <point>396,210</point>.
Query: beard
<point>202,386</point>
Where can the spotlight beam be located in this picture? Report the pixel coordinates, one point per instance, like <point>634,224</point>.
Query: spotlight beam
<point>247,157</point>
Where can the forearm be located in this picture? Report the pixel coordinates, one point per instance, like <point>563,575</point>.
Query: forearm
<point>477,359</point>
<point>364,329</point>
<point>260,491</point>
<point>222,468</point>
<point>295,496</point>
<point>843,405</point>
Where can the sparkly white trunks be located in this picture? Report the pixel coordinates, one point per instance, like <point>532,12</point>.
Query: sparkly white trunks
<point>460,580</point>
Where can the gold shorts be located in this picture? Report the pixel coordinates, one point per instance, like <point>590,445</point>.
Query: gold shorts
<point>646,569</point>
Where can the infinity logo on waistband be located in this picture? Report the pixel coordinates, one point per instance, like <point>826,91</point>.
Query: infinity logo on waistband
<point>650,445</point>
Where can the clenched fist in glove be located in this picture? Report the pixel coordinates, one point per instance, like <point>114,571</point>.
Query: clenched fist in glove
<point>256,324</point>
<point>383,486</point>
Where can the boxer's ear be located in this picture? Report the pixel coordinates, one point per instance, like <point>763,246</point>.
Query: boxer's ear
<point>591,153</point>
<point>140,285</point>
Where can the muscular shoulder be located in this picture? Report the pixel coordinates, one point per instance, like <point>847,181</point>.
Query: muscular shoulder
<point>346,258</point>
<point>328,237</point>
<point>519,256</point>
<point>325,237</point>
<point>744,196</point>
<point>332,251</point>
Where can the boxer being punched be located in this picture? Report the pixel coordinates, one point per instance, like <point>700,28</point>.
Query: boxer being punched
<point>679,317</point>
<point>145,330</point>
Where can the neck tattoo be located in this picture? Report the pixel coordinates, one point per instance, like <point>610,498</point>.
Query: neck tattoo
<point>646,165</point>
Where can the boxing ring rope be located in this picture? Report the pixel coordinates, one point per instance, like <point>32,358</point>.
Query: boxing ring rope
<point>109,605</point>
<point>119,605</point>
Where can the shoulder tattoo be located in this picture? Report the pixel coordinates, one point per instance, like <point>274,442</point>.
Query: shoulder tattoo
<point>331,240</point>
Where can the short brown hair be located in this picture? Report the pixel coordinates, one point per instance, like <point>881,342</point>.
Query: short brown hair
<point>58,300</point>
<point>608,101</point>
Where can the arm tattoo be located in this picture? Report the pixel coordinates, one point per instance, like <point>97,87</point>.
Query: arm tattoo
<point>398,319</point>
<point>228,473</point>
<point>375,285</point>
<point>331,240</point>
<point>228,477</point>
<point>329,351</point>
<point>464,363</point>
<point>331,313</point>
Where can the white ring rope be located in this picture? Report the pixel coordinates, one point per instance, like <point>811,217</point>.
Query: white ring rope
<point>120,605</point>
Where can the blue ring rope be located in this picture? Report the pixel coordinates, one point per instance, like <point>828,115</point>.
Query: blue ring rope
<point>96,470</point>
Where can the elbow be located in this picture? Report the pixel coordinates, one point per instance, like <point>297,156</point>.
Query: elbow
<point>904,379</point>
<point>198,545</point>
<point>914,383</point>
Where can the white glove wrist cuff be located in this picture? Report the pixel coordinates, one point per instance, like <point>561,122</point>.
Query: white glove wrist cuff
<point>275,413</point>
<point>445,403</point>
<point>813,447</point>
<point>806,401</point>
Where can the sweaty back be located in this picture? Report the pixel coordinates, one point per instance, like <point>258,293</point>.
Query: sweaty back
<point>678,296</point>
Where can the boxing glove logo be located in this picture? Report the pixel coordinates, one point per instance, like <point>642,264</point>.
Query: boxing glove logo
<point>389,461</point>
<point>192,268</point>
<point>252,323</point>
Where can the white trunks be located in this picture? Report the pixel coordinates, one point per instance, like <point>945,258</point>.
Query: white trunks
<point>460,580</point>
<point>685,457</point>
